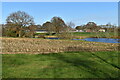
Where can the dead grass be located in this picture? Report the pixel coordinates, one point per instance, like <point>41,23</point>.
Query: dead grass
<point>36,46</point>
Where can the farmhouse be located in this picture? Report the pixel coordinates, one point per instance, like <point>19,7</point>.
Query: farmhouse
<point>79,30</point>
<point>102,30</point>
<point>40,31</point>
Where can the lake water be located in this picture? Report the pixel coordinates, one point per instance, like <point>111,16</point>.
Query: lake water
<point>106,40</point>
<point>52,38</point>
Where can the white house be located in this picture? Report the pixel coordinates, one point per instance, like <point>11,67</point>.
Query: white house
<point>40,31</point>
<point>101,30</point>
<point>79,30</point>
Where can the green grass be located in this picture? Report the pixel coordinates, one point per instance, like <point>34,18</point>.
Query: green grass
<point>94,34</point>
<point>61,65</point>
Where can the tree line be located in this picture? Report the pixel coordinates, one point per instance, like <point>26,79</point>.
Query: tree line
<point>21,24</point>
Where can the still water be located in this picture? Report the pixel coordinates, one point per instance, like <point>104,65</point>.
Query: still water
<point>106,40</point>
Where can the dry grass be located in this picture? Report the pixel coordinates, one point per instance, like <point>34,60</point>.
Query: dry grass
<point>36,46</point>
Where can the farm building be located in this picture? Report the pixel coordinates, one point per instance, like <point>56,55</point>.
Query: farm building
<point>102,30</point>
<point>40,31</point>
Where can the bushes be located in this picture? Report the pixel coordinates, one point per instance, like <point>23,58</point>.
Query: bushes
<point>10,34</point>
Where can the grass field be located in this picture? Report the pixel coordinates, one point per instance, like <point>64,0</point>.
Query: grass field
<point>82,35</point>
<point>61,65</point>
<point>94,34</point>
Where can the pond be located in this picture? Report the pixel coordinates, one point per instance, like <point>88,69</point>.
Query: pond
<point>106,40</point>
<point>52,38</point>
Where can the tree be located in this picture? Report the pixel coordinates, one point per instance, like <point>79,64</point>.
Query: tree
<point>58,24</point>
<point>48,26</point>
<point>71,24</point>
<point>9,30</point>
<point>39,26</point>
<point>78,27</point>
<point>20,19</point>
<point>3,30</point>
<point>32,29</point>
<point>109,25</point>
<point>92,26</point>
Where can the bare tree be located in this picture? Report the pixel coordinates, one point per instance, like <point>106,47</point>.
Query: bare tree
<point>21,19</point>
<point>71,24</point>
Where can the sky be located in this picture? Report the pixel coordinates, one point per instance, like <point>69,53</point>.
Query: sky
<point>60,0</point>
<point>79,13</point>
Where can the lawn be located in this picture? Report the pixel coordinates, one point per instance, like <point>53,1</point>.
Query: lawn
<point>61,65</point>
<point>94,34</point>
<point>85,34</point>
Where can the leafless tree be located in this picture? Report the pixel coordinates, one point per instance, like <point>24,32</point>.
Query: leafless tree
<point>71,24</point>
<point>21,19</point>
